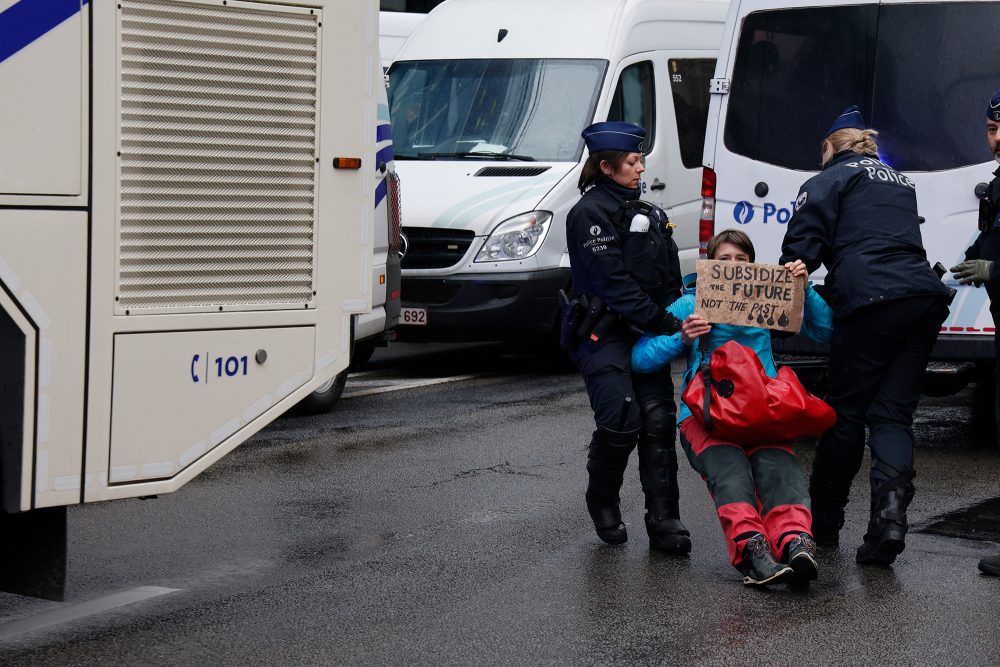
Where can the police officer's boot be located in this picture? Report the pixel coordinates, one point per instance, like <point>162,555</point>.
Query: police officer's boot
<point>828,502</point>
<point>609,452</point>
<point>658,474</point>
<point>886,536</point>
<point>990,565</point>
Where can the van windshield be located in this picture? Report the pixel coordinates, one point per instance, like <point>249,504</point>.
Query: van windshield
<point>492,109</point>
<point>920,72</point>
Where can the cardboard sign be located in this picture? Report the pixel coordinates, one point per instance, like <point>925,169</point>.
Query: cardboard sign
<point>750,295</point>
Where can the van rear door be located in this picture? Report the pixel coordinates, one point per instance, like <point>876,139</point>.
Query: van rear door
<point>921,72</point>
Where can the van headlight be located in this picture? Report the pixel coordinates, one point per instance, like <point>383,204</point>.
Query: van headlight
<point>516,238</point>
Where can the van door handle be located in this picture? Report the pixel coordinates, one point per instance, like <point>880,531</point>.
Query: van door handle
<point>657,184</point>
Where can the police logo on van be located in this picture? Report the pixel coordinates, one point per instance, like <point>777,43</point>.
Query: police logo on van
<point>595,231</point>
<point>743,212</point>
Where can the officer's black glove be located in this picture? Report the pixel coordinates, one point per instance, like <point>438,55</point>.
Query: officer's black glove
<point>670,325</point>
<point>973,271</point>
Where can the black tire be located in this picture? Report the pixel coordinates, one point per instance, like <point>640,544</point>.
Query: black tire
<point>363,351</point>
<point>323,399</point>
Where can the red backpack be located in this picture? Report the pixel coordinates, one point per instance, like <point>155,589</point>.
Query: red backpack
<point>747,407</point>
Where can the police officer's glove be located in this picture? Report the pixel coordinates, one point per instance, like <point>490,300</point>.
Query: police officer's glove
<point>973,271</point>
<point>671,326</point>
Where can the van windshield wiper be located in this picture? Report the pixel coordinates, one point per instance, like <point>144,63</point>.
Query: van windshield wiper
<point>474,154</point>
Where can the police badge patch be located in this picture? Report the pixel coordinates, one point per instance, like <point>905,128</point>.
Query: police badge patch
<point>595,231</point>
<point>802,199</point>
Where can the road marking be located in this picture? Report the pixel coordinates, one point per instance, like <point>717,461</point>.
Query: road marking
<point>80,610</point>
<point>387,385</point>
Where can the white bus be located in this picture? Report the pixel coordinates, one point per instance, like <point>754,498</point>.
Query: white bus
<point>187,192</point>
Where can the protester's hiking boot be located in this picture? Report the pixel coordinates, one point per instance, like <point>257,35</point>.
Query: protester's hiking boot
<point>609,454</point>
<point>800,554</point>
<point>990,565</point>
<point>759,567</point>
<point>667,535</point>
<point>886,536</point>
<point>658,474</point>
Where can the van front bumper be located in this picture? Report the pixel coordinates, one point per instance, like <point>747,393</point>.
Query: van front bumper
<point>955,361</point>
<point>481,307</point>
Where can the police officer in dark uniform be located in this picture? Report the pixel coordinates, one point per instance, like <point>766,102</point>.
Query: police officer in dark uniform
<point>625,269</point>
<point>981,266</point>
<point>858,217</point>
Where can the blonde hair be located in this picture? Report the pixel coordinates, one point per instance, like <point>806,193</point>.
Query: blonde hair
<point>861,142</point>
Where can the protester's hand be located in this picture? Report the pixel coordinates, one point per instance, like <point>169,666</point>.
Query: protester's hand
<point>693,328</point>
<point>798,268</point>
<point>972,271</point>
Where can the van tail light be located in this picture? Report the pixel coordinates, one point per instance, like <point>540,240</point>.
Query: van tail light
<point>395,212</point>
<point>706,226</point>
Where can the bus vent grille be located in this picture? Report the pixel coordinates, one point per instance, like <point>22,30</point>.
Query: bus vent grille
<point>217,155</point>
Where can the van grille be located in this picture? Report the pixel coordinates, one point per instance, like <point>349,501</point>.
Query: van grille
<point>511,171</point>
<point>395,211</point>
<point>218,155</point>
<point>433,248</point>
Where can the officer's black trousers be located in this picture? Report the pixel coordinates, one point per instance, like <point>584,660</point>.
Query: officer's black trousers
<point>609,387</point>
<point>877,359</point>
<point>996,347</point>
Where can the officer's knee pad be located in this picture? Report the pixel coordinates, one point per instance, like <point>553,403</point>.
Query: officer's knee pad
<point>659,418</point>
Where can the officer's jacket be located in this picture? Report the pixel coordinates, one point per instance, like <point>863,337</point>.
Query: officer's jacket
<point>634,270</point>
<point>652,353</point>
<point>636,273</point>
<point>858,217</point>
<point>987,244</point>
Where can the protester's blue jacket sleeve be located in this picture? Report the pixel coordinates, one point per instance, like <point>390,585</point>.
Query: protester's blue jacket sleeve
<point>652,353</point>
<point>817,320</point>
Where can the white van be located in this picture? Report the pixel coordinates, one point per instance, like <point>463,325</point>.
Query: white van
<point>921,72</point>
<point>488,99</point>
<point>393,30</point>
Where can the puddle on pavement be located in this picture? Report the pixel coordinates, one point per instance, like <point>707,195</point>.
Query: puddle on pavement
<point>978,522</point>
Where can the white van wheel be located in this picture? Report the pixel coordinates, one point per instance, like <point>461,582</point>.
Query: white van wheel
<point>325,397</point>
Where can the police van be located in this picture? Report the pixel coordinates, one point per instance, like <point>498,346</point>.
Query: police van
<point>393,30</point>
<point>921,73</point>
<point>488,99</point>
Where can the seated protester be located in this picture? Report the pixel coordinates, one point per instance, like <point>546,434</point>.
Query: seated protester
<point>760,491</point>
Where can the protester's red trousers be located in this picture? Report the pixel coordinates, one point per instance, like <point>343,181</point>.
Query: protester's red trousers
<point>758,489</point>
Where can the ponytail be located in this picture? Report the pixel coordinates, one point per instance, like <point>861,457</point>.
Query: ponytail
<point>861,142</point>
<point>592,167</point>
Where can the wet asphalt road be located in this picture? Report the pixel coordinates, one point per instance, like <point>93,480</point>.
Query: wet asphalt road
<point>444,524</point>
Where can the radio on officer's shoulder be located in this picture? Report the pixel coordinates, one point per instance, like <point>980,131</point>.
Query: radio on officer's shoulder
<point>637,215</point>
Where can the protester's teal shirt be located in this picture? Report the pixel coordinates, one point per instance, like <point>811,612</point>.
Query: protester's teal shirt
<point>652,353</point>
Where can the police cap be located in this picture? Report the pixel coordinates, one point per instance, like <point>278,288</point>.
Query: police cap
<point>615,136</point>
<point>850,118</point>
<point>993,108</point>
